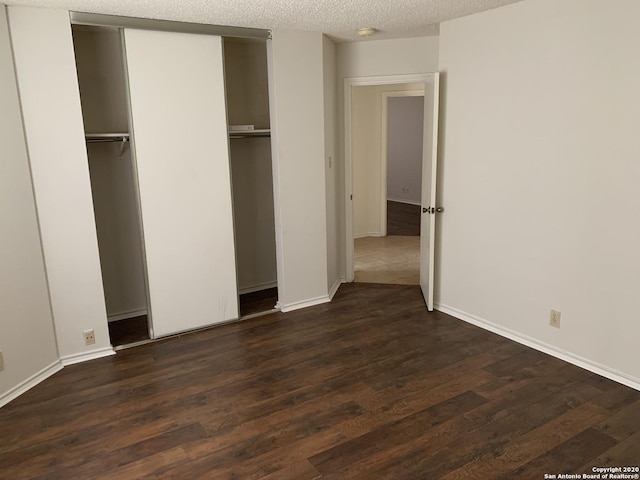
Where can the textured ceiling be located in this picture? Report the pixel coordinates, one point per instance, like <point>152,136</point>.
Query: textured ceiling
<point>337,18</point>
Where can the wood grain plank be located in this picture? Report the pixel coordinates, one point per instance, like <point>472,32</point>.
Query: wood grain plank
<point>370,385</point>
<point>530,445</point>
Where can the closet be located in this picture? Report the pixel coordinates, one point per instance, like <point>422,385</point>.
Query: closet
<point>179,148</point>
<point>102,83</point>
<point>247,94</point>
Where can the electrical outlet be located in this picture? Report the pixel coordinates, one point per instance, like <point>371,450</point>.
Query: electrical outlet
<point>1,361</point>
<point>554,319</point>
<point>89,337</point>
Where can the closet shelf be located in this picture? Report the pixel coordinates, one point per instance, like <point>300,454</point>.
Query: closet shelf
<point>106,137</point>
<point>262,132</point>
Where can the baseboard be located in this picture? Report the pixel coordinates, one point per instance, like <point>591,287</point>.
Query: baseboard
<point>370,234</point>
<point>305,303</point>
<point>339,281</point>
<point>403,200</point>
<point>86,356</point>
<point>30,382</point>
<point>257,288</point>
<point>125,315</point>
<point>569,357</point>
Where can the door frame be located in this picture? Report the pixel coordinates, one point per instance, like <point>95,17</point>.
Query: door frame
<point>349,83</point>
<point>384,169</point>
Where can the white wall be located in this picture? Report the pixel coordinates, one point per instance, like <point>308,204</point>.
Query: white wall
<point>116,214</point>
<point>247,96</point>
<point>331,168</point>
<point>245,63</point>
<point>297,122</point>
<point>27,340</point>
<point>100,67</point>
<point>366,155</point>
<point>541,174</point>
<point>387,57</point>
<point>46,73</point>
<point>251,172</point>
<point>375,58</point>
<point>405,119</point>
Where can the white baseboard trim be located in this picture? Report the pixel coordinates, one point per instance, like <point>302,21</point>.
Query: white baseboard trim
<point>569,357</point>
<point>86,356</point>
<point>257,288</point>
<point>125,315</point>
<point>30,382</point>
<point>403,200</point>
<point>370,234</point>
<point>305,303</point>
<point>339,281</point>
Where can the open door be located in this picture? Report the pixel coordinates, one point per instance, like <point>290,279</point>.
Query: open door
<point>429,208</point>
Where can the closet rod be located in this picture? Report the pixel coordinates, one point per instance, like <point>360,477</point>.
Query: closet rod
<point>107,140</point>
<point>249,133</point>
<point>121,138</point>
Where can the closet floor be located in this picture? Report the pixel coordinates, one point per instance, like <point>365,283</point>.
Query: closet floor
<point>129,330</point>
<point>258,302</point>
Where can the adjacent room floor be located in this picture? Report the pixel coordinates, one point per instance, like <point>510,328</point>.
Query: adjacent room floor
<point>390,259</point>
<point>369,386</point>
<point>394,259</point>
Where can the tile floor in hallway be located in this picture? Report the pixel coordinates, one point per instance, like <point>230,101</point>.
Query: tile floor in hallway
<point>391,259</point>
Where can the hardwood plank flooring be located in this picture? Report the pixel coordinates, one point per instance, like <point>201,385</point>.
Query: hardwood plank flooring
<point>403,219</point>
<point>129,330</point>
<point>369,386</point>
<point>258,302</point>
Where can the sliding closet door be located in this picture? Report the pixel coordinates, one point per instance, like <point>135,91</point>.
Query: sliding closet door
<point>182,158</point>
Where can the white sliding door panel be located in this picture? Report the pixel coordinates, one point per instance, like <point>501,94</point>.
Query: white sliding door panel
<point>181,148</point>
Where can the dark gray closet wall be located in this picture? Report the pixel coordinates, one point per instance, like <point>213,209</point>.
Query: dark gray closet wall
<point>101,78</point>
<point>251,169</point>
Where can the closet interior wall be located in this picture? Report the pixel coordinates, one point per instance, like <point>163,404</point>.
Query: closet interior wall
<point>251,170</point>
<point>100,68</point>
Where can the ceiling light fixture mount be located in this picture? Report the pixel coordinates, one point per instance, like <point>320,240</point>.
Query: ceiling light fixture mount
<point>367,31</point>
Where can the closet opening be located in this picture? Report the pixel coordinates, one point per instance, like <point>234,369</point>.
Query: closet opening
<point>247,93</point>
<point>105,111</point>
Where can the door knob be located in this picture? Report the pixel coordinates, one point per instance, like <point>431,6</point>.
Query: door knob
<point>440,209</point>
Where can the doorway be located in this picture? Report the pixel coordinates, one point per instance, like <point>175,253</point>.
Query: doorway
<point>387,122</point>
<point>368,187</point>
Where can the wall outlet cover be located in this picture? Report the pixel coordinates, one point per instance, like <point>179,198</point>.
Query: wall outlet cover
<point>89,337</point>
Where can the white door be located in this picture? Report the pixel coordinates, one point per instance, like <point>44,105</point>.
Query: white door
<point>181,148</point>
<point>429,177</point>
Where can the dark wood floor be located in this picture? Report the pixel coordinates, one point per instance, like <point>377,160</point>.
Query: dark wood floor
<point>403,219</point>
<point>258,302</point>
<point>136,329</point>
<point>370,386</point>
<point>129,330</point>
